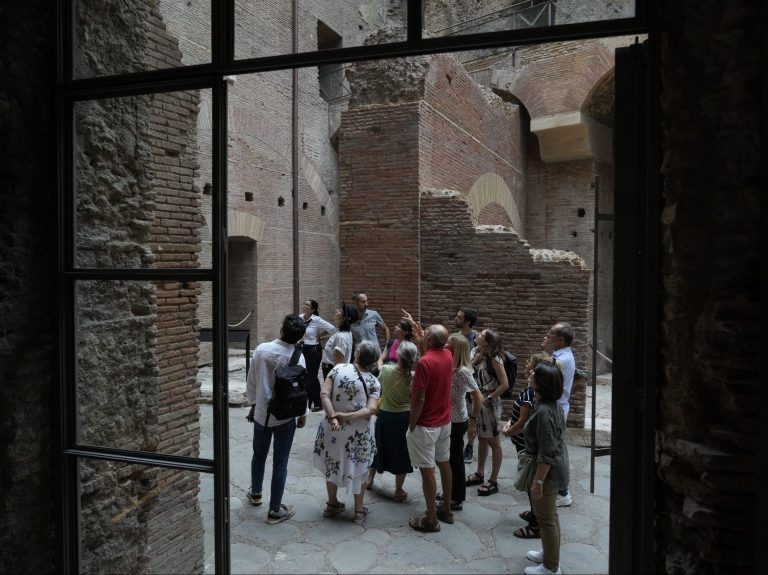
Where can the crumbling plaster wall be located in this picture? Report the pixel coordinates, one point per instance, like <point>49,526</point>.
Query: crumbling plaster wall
<point>710,408</point>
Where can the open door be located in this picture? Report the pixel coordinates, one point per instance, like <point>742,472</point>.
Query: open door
<point>635,316</point>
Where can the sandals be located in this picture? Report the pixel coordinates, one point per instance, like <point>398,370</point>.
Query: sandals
<point>360,516</point>
<point>527,516</point>
<point>333,509</point>
<point>422,524</point>
<point>400,498</point>
<point>454,505</point>
<point>475,479</point>
<point>489,489</point>
<point>444,515</point>
<point>527,532</point>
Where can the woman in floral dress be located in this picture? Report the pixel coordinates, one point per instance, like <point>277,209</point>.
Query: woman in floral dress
<point>345,445</point>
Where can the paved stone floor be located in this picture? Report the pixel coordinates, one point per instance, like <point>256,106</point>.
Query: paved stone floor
<point>480,541</point>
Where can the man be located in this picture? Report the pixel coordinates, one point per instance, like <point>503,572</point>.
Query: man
<point>364,329</point>
<point>557,343</point>
<point>267,357</point>
<point>429,432</point>
<point>465,321</point>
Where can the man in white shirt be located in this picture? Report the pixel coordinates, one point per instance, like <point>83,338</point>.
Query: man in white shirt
<point>267,357</point>
<point>557,343</point>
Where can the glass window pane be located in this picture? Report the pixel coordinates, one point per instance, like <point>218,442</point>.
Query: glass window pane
<point>140,519</point>
<point>141,366</point>
<point>113,37</point>
<point>263,28</point>
<point>140,178</point>
<point>469,17</point>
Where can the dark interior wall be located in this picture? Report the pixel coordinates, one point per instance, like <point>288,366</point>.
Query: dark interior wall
<point>28,489</point>
<point>709,404</point>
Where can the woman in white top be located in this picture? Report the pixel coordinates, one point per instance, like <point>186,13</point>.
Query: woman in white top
<point>313,350</point>
<point>338,349</point>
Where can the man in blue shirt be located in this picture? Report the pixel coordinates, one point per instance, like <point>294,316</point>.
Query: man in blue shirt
<point>364,329</point>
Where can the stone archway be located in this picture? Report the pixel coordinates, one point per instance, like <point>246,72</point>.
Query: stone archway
<point>490,188</point>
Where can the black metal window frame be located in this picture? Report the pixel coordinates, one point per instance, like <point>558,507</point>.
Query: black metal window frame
<point>212,76</point>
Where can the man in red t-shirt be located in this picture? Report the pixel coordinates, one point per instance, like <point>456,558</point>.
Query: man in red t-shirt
<point>429,433</point>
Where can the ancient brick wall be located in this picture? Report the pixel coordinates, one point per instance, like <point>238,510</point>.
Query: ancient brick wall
<point>379,218</point>
<point>494,271</point>
<point>709,404</point>
<point>467,132</point>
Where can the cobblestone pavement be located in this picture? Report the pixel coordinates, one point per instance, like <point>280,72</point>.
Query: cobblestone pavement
<point>480,541</point>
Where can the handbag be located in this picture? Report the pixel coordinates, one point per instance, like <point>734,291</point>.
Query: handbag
<point>526,465</point>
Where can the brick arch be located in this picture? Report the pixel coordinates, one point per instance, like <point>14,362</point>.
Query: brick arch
<point>490,188</point>
<point>244,225</point>
<point>603,86</point>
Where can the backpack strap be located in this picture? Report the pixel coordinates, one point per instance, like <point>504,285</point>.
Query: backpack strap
<point>365,387</point>
<point>296,354</point>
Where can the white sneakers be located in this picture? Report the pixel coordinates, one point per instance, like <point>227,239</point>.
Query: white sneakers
<point>535,556</point>
<point>285,512</point>
<point>538,557</point>
<point>564,500</point>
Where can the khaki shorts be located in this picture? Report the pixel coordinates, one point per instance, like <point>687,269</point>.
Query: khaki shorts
<point>428,445</point>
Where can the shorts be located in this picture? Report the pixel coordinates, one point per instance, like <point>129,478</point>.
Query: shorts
<point>429,445</point>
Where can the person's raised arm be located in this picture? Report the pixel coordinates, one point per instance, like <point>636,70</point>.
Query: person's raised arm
<point>418,332</point>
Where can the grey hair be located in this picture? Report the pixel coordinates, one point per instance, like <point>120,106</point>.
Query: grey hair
<point>437,335</point>
<point>407,354</point>
<point>366,354</point>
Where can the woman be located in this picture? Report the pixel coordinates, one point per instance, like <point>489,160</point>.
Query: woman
<point>403,332</point>
<point>462,383</point>
<point>316,327</point>
<point>544,441</point>
<point>345,447</point>
<point>492,380</point>
<point>392,421</point>
<point>513,429</point>
<point>338,348</point>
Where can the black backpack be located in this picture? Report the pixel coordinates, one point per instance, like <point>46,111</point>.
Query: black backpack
<point>289,398</point>
<point>510,368</point>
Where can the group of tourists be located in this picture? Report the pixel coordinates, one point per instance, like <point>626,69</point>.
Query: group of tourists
<point>409,404</point>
